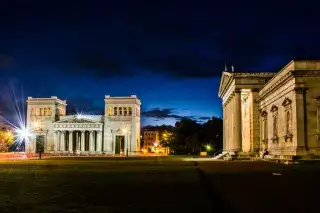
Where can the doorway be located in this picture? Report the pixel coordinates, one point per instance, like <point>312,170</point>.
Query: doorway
<point>119,145</point>
<point>39,143</point>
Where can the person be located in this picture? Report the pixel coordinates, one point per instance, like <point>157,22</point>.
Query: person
<point>265,153</point>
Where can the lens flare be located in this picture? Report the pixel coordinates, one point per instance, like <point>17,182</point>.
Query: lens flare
<point>22,133</point>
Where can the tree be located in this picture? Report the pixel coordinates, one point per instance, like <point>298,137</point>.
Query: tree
<point>212,133</point>
<point>6,139</point>
<point>168,139</point>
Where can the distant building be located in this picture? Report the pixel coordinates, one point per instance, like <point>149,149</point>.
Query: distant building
<point>278,112</point>
<point>115,132</point>
<point>150,139</point>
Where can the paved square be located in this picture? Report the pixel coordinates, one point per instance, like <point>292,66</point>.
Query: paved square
<point>155,185</point>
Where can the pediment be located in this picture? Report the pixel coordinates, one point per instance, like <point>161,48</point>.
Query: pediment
<point>225,79</point>
<point>264,113</point>
<point>76,120</point>
<point>274,108</point>
<point>286,102</point>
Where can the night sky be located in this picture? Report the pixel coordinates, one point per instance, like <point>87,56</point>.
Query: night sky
<point>170,55</point>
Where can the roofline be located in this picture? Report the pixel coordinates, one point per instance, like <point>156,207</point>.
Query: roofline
<point>53,98</point>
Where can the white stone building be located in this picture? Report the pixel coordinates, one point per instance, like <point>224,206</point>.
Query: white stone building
<point>115,132</point>
<point>278,112</point>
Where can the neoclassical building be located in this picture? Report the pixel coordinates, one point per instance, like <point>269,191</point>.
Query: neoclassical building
<point>115,132</point>
<point>278,112</point>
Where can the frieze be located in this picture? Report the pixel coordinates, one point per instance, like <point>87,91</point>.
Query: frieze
<point>253,74</point>
<point>276,84</point>
<point>119,118</point>
<point>306,73</point>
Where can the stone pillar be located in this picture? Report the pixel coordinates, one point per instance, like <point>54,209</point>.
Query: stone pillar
<point>55,141</point>
<point>255,124</point>
<point>70,140</point>
<point>82,141</point>
<point>77,142</point>
<point>99,141</point>
<point>300,121</point>
<point>91,148</point>
<point>224,128</point>
<point>62,141</point>
<point>237,120</point>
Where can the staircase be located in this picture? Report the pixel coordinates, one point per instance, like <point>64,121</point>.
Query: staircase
<point>221,155</point>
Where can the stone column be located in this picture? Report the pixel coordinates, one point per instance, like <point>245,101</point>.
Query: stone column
<point>55,141</point>
<point>255,125</point>
<point>300,121</point>
<point>91,141</point>
<point>77,142</point>
<point>224,128</point>
<point>62,141</point>
<point>70,140</point>
<point>237,120</point>
<point>82,141</point>
<point>99,141</point>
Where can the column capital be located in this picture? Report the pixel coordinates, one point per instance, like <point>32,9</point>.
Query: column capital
<point>300,90</point>
<point>237,91</point>
<point>254,90</point>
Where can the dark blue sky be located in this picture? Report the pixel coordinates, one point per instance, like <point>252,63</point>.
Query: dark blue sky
<point>170,55</point>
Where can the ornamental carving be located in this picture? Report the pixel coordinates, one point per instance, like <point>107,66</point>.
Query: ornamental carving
<point>274,108</point>
<point>286,102</point>
<point>264,114</point>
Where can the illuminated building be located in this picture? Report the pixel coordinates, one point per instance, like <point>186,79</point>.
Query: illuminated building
<point>273,112</point>
<point>115,132</point>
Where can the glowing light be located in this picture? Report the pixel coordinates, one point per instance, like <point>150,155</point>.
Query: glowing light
<point>36,124</point>
<point>23,134</point>
<point>79,116</point>
<point>125,130</point>
<point>208,147</point>
<point>155,144</point>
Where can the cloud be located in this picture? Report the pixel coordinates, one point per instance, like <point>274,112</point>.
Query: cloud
<point>160,114</point>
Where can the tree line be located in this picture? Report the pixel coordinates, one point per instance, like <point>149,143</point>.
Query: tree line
<point>190,137</point>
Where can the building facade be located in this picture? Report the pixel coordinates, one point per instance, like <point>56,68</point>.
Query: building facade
<point>150,139</point>
<point>115,132</point>
<point>277,112</point>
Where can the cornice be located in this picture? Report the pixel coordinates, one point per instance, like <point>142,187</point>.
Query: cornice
<point>306,73</point>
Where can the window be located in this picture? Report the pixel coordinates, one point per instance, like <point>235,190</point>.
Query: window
<point>115,110</point>
<point>37,111</point>
<point>264,128</point>
<point>109,110</point>
<point>41,111</point>
<point>274,110</point>
<point>288,119</point>
<point>288,123</point>
<point>45,111</point>
<point>124,110</point>
<point>49,111</point>
<point>120,110</point>
<point>275,126</point>
<point>32,111</point>
<point>130,111</point>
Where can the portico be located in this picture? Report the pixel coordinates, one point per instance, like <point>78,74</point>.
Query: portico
<point>78,135</point>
